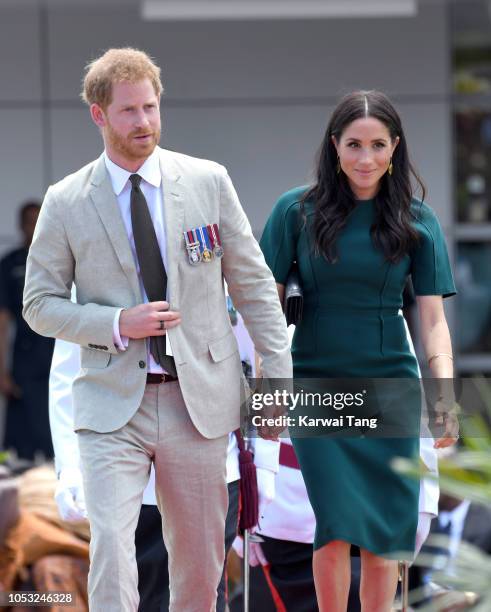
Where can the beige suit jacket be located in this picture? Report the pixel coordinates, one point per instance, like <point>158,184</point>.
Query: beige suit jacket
<point>80,237</point>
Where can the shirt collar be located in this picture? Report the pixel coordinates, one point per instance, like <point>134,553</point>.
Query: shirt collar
<point>149,171</point>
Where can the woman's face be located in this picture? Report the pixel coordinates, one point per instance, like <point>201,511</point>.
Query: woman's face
<point>365,149</point>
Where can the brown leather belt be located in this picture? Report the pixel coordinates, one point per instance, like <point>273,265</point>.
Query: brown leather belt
<point>158,379</point>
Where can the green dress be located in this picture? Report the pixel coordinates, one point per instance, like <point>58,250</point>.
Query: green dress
<point>352,328</point>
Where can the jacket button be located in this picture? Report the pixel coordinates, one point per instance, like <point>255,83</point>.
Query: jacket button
<point>142,364</point>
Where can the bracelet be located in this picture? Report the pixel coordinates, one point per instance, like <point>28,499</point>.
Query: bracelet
<point>439,355</point>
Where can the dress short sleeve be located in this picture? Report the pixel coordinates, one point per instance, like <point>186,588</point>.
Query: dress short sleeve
<point>430,266</point>
<point>280,235</point>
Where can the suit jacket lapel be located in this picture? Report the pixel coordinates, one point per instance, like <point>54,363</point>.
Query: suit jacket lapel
<point>173,191</point>
<point>104,200</point>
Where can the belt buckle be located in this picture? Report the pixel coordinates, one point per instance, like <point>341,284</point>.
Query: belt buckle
<point>155,378</point>
<point>158,378</point>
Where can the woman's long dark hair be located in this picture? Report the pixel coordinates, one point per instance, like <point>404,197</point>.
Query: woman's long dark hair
<point>392,231</point>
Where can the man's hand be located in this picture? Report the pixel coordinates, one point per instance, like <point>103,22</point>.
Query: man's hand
<point>69,495</point>
<point>272,422</point>
<point>144,320</point>
<point>256,555</point>
<point>8,388</point>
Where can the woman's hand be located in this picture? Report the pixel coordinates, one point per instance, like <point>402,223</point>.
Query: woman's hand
<point>446,412</point>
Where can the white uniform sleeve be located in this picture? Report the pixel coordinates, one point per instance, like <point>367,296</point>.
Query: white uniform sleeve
<point>266,454</point>
<point>429,492</point>
<point>64,368</point>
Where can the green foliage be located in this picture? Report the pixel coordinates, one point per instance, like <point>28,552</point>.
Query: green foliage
<point>465,474</point>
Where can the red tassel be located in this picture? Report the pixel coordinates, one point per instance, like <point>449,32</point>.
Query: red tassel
<point>249,511</point>
<point>249,515</point>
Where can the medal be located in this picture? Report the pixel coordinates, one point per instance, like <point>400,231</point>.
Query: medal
<point>204,242</point>
<point>193,248</point>
<point>196,254</point>
<point>215,240</point>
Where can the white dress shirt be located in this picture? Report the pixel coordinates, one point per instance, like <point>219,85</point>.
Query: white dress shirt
<point>151,186</point>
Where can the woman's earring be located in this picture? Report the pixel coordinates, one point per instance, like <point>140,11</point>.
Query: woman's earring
<point>390,169</point>
<point>338,166</point>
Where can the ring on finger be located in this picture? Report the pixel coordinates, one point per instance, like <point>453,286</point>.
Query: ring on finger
<point>162,324</point>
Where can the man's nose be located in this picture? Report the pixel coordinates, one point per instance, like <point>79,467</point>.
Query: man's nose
<point>141,119</point>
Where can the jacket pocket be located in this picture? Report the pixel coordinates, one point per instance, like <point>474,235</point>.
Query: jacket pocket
<point>91,358</point>
<point>223,347</point>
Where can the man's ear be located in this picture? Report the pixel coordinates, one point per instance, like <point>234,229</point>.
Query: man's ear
<point>97,114</point>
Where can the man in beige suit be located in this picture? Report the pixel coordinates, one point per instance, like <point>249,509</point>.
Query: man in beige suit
<point>148,236</point>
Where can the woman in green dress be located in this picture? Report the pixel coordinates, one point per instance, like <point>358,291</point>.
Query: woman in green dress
<point>356,235</point>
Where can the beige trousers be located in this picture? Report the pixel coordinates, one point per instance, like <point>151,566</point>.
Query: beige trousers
<point>191,494</point>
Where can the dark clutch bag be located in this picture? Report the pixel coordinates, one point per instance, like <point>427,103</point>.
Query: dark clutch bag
<point>293,300</point>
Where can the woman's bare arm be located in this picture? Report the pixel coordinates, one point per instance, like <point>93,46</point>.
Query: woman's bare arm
<point>437,344</point>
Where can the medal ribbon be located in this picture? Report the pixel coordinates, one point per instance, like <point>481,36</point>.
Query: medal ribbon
<point>190,239</point>
<point>216,234</point>
<point>201,238</point>
<point>196,240</point>
<point>204,232</point>
<point>211,238</point>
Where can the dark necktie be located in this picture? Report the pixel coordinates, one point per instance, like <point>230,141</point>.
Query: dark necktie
<point>152,268</point>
